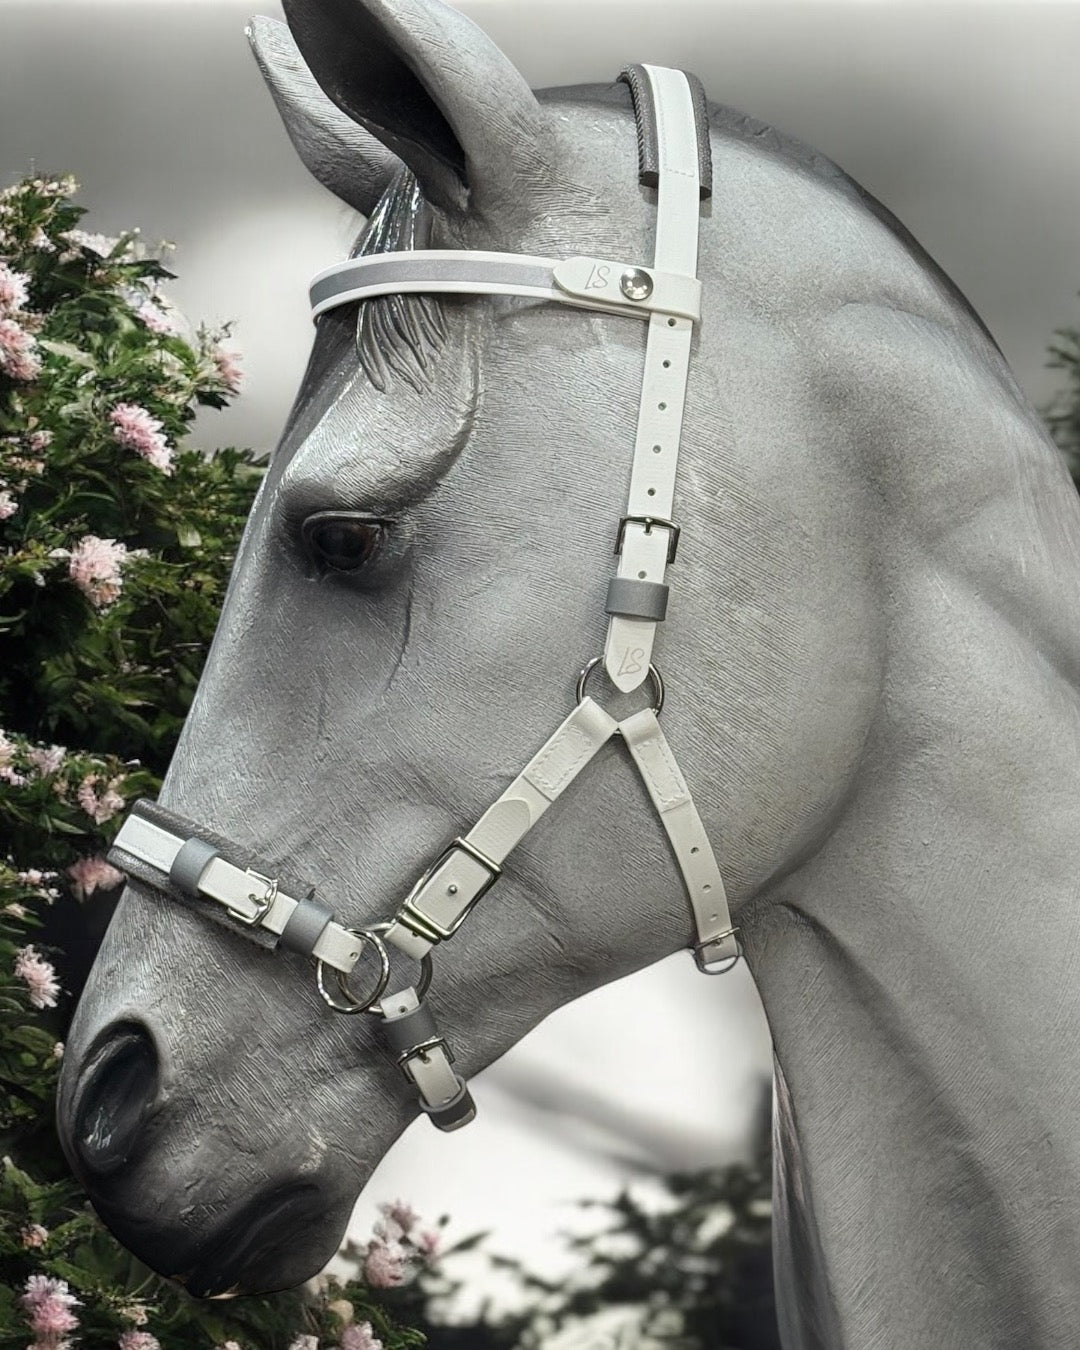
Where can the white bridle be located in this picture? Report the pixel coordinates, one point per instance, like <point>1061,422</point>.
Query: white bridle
<point>176,857</point>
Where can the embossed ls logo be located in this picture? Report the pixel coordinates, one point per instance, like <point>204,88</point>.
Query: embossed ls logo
<point>598,278</point>
<point>632,661</point>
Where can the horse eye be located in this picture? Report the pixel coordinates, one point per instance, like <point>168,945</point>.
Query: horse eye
<point>342,542</point>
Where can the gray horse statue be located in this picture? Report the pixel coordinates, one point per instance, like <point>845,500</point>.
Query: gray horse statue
<point>871,668</point>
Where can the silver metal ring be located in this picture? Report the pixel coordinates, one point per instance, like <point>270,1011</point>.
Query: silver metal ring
<point>654,676</point>
<point>356,1005</point>
<point>422,985</point>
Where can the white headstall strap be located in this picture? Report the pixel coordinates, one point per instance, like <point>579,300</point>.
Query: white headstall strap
<point>648,536</point>
<point>173,856</point>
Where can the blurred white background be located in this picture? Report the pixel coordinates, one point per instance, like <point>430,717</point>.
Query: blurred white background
<point>962,118</point>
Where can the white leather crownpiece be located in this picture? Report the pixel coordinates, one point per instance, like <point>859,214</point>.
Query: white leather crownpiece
<point>700,873</point>
<point>444,895</point>
<point>587,283</point>
<point>644,555</point>
<point>240,891</point>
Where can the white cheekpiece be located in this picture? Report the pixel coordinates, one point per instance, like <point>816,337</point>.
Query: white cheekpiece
<point>647,549</point>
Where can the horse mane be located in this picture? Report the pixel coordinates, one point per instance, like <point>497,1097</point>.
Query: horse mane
<point>396,334</point>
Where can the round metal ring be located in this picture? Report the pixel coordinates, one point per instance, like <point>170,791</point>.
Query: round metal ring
<point>424,982</point>
<point>354,1004</point>
<point>654,676</point>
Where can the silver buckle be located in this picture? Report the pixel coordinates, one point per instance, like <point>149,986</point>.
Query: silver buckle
<point>649,521</point>
<point>263,903</point>
<point>423,925</point>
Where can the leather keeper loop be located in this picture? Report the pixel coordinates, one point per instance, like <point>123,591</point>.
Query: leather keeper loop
<point>413,1028</point>
<point>306,925</point>
<point>635,599</point>
<point>451,1115</point>
<point>190,863</point>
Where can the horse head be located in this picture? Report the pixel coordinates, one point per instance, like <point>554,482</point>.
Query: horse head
<point>423,576</point>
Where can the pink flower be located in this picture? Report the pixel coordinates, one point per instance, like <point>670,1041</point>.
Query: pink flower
<point>39,976</point>
<point>91,874</point>
<point>95,567</point>
<point>18,352</point>
<point>384,1265</point>
<point>33,1235</point>
<point>8,772</point>
<point>300,1343</point>
<point>360,1336</point>
<point>49,1303</point>
<point>13,289</point>
<point>429,1243</point>
<point>135,429</point>
<point>228,369</point>
<point>40,440</point>
<point>101,805</point>
<point>46,761</point>
<point>8,505</point>
<point>138,1340</point>
<point>35,877</point>
<point>155,316</point>
<point>400,1220</point>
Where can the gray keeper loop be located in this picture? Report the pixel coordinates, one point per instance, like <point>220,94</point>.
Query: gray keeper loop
<point>458,1111</point>
<point>637,599</point>
<point>190,863</point>
<point>413,1028</point>
<point>306,925</point>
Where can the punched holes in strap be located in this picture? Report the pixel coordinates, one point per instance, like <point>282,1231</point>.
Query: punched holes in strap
<point>648,132</point>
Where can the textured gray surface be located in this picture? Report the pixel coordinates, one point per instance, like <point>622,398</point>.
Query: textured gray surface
<point>871,662</point>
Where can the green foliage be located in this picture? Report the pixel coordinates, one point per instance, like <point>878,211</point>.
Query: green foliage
<point>1063,413</point>
<point>105,347</point>
<point>116,545</point>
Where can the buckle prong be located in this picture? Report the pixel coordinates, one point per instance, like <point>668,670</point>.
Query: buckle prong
<point>423,925</point>
<point>649,522</point>
<point>263,904</point>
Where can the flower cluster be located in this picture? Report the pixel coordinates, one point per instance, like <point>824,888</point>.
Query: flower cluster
<point>48,1304</point>
<point>109,522</point>
<point>396,1244</point>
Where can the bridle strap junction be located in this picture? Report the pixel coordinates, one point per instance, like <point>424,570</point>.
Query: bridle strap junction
<point>174,857</point>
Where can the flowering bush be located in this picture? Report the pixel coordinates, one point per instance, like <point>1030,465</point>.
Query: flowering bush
<point>116,543</point>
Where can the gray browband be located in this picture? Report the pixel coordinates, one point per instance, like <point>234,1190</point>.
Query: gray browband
<point>199,869</point>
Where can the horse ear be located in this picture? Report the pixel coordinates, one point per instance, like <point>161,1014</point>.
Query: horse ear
<point>433,89</point>
<point>341,155</point>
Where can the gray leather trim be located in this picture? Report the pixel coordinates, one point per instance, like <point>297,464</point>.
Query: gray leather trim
<point>636,599</point>
<point>392,272</point>
<point>648,139</point>
<point>306,926</point>
<point>159,881</point>
<point>412,1028</point>
<point>190,863</point>
<point>456,1112</point>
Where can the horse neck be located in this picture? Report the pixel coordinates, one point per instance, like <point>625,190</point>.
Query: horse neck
<point>920,972</point>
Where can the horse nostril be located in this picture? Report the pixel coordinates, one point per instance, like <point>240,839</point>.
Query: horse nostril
<point>121,1086</point>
